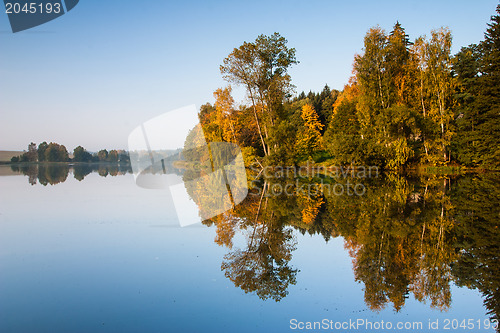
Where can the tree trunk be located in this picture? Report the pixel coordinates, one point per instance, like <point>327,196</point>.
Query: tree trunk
<point>257,121</point>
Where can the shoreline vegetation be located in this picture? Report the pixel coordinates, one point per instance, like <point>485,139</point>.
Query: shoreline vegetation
<point>309,166</point>
<point>56,153</point>
<point>410,107</point>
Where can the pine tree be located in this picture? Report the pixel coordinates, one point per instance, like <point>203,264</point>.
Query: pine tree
<point>397,62</point>
<point>488,101</point>
<point>477,70</point>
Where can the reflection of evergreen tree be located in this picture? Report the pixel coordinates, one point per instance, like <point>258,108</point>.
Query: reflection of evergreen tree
<point>478,219</point>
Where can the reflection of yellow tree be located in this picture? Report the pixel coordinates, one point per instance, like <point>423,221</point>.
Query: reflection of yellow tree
<point>225,228</point>
<point>310,206</point>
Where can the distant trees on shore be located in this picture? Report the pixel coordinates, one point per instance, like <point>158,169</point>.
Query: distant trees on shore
<point>54,152</point>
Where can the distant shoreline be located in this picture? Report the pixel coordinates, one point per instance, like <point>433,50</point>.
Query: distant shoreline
<point>443,170</point>
<point>69,163</point>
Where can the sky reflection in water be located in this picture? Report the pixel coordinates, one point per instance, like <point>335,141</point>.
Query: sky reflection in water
<point>104,255</point>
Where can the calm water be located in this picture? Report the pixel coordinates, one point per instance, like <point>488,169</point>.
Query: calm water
<point>85,250</point>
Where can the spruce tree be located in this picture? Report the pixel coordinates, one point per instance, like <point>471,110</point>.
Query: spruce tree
<point>488,101</point>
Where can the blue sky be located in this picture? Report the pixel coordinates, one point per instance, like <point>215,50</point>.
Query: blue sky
<point>91,76</point>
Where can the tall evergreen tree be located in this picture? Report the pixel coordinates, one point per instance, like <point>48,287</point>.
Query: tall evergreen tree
<point>477,70</point>
<point>488,101</point>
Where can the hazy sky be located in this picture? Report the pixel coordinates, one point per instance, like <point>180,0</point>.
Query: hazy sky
<point>91,76</point>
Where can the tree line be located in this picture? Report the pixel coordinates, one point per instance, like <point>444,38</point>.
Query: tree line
<point>407,103</point>
<point>54,152</point>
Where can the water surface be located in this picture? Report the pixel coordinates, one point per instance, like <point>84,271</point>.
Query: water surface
<point>85,250</point>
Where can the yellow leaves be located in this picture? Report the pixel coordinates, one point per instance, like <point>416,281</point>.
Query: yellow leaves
<point>224,101</point>
<point>311,204</point>
<point>225,232</point>
<point>224,108</point>
<point>310,117</point>
<point>349,94</point>
<point>309,138</point>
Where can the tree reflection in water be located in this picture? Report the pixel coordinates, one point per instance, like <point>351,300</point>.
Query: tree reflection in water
<point>263,265</point>
<point>406,235</point>
<point>55,173</point>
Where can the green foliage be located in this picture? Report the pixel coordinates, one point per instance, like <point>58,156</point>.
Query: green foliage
<point>261,68</point>
<point>283,140</point>
<point>56,153</point>
<point>408,103</point>
<point>80,154</point>
<point>477,72</point>
<point>42,147</point>
<point>342,138</point>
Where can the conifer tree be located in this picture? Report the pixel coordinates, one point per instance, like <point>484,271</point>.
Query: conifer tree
<point>309,139</point>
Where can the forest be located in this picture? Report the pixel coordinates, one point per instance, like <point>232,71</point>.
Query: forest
<point>408,103</point>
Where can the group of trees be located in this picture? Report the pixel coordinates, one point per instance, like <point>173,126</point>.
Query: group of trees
<point>415,102</point>
<point>408,102</point>
<point>54,152</point>
<point>45,152</point>
<point>80,154</point>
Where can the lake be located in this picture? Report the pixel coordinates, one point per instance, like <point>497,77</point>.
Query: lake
<point>84,249</point>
